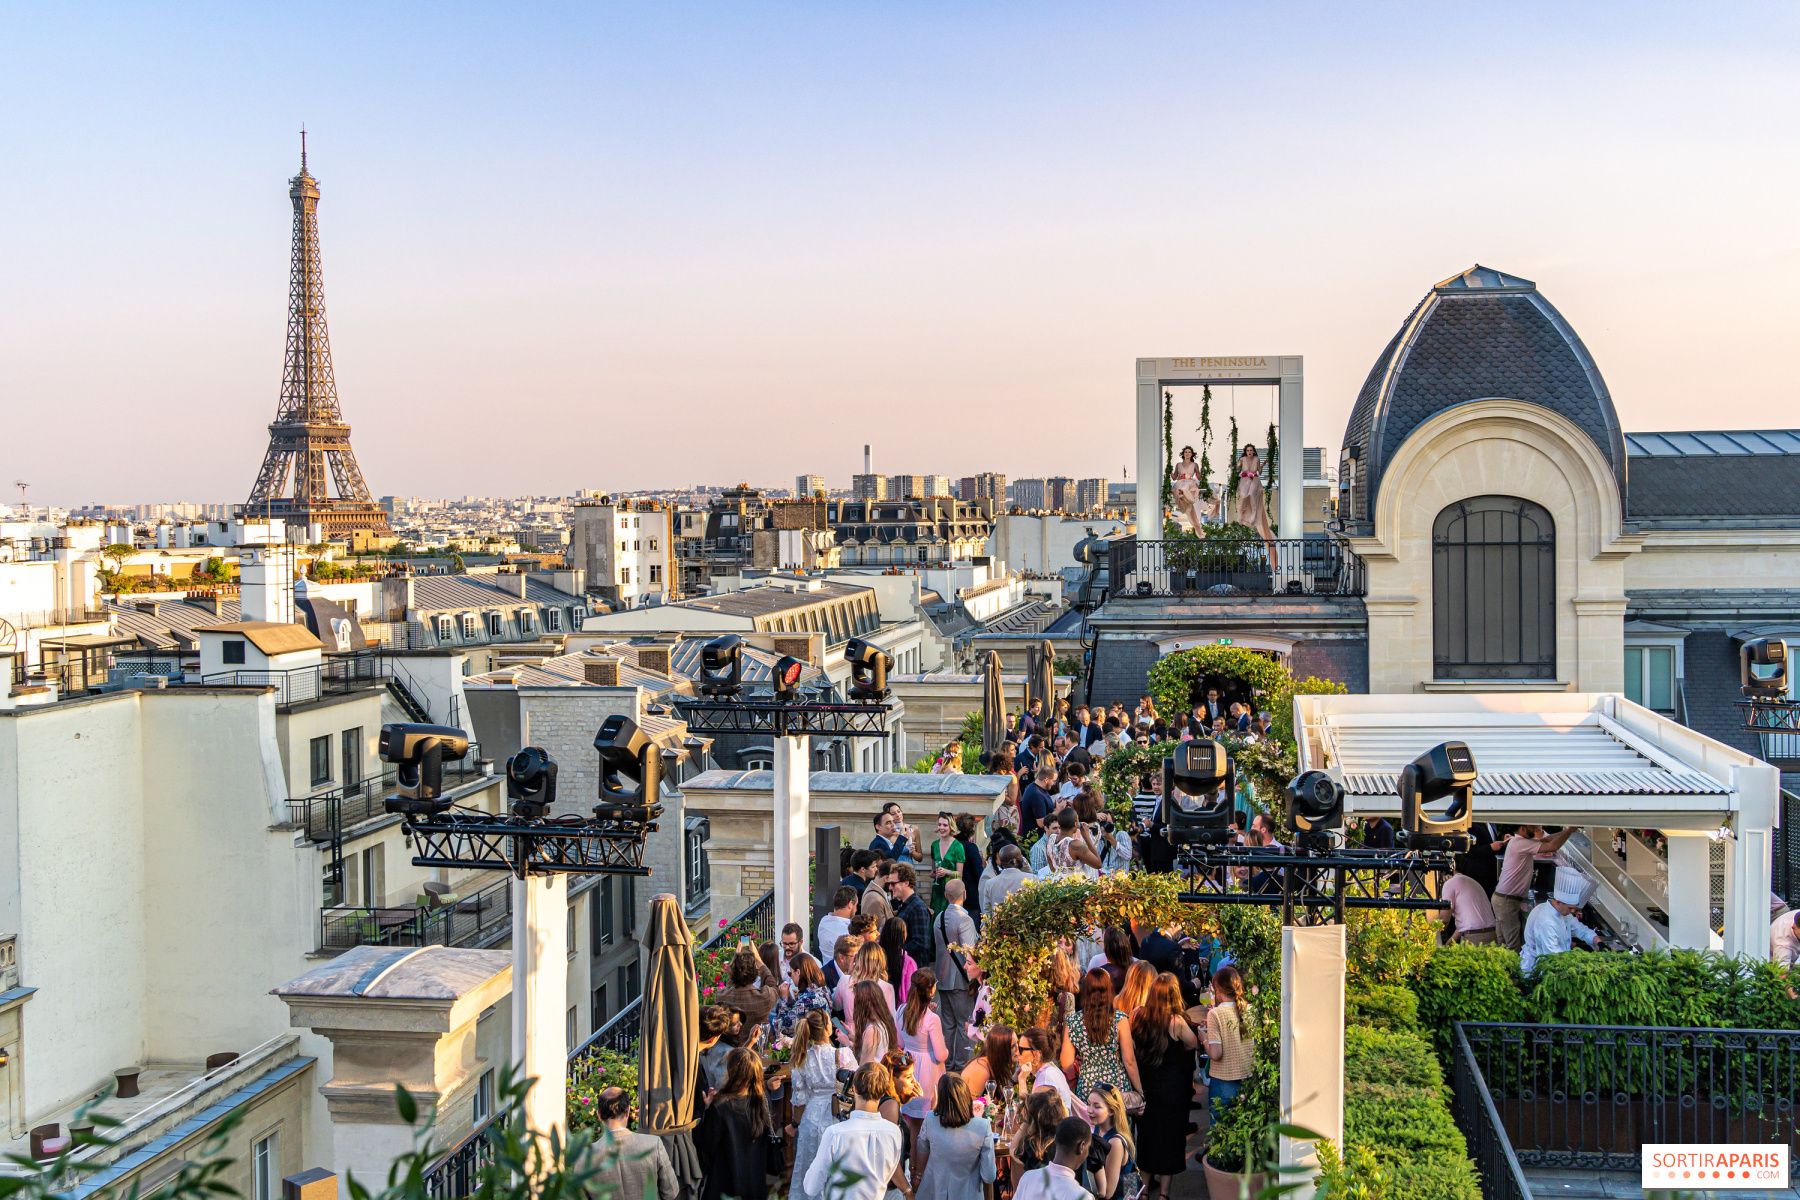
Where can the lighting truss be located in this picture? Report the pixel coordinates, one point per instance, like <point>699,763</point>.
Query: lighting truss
<point>1771,716</point>
<point>784,720</point>
<point>1313,889</point>
<point>557,845</point>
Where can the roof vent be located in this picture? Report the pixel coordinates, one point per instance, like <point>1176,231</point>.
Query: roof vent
<point>601,671</point>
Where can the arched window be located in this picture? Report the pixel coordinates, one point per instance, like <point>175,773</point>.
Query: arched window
<point>1493,590</point>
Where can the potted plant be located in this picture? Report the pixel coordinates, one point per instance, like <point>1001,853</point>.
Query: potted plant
<point>1233,1145</point>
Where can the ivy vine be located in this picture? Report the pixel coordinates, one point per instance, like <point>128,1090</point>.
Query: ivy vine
<point>1231,471</point>
<point>1206,487</point>
<point>1168,454</point>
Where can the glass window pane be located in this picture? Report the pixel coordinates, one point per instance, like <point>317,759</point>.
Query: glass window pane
<point>1659,677</point>
<point>1634,674</point>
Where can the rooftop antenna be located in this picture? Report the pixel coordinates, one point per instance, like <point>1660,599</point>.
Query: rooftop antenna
<point>21,485</point>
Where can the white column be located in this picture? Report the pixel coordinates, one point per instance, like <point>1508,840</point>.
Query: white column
<point>1747,862</point>
<point>1291,470</point>
<point>540,1005</point>
<point>792,828</point>
<point>1150,466</point>
<point>1690,890</point>
<point>1312,1037</point>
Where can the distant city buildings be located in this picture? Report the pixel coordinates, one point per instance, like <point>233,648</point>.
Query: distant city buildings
<point>989,485</point>
<point>626,550</point>
<point>869,487</point>
<point>808,485</point>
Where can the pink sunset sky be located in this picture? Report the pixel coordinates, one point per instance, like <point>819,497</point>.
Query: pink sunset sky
<point>612,247</point>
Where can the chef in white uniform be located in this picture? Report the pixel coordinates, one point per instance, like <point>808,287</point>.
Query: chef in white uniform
<point>1552,928</point>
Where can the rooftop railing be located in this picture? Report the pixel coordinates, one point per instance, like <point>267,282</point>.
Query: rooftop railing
<point>478,919</point>
<point>1590,1096</point>
<point>326,814</point>
<point>1315,566</point>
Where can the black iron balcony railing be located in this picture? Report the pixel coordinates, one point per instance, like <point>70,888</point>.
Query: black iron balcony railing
<point>1314,566</point>
<point>457,1172</point>
<point>478,919</point>
<point>1502,1178</point>
<point>327,814</point>
<point>336,676</point>
<point>1590,1096</point>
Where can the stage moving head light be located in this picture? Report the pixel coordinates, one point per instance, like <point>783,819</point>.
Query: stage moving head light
<point>531,782</point>
<point>1763,669</point>
<point>788,670</point>
<point>1199,784</point>
<point>722,667</point>
<point>869,667</point>
<point>1444,772</point>
<point>1316,807</point>
<point>630,772</point>
<point>418,753</point>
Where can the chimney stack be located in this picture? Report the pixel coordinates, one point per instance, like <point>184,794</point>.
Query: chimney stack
<point>601,671</point>
<point>866,460</point>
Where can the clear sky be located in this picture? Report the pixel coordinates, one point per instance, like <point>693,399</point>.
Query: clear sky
<point>623,246</point>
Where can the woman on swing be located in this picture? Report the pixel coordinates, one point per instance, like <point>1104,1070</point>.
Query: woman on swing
<point>1252,504</point>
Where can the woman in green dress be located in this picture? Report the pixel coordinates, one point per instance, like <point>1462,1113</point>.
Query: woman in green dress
<point>946,861</point>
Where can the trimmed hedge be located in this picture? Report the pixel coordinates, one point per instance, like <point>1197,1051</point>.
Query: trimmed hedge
<point>1397,1107</point>
<point>1468,983</point>
<point>1382,1006</point>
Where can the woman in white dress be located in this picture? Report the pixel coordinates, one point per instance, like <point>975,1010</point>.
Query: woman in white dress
<point>1186,480</point>
<point>813,1081</point>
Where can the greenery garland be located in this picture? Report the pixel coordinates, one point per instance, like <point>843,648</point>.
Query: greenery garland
<point>1206,487</point>
<point>1231,471</point>
<point>1168,454</point>
<point>1019,935</point>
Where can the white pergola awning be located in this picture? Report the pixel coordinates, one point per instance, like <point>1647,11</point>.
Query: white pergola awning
<point>1563,758</point>
<point>1568,765</point>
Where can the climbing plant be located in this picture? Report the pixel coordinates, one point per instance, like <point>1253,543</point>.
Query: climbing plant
<point>1231,466</point>
<point>1173,678</point>
<point>1019,936</point>
<point>1168,454</point>
<point>1121,770</point>
<point>1206,487</point>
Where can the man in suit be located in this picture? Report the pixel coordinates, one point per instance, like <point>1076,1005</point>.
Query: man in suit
<point>633,1164</point>
<point>958,977</point>
<point>862,869</point>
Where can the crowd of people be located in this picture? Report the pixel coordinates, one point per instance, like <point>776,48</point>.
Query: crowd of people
<point>895,1084</point>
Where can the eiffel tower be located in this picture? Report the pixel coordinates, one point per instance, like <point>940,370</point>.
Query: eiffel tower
<point>309,433</point>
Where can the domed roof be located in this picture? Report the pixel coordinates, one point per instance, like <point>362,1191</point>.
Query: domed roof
<point>1480,335</point>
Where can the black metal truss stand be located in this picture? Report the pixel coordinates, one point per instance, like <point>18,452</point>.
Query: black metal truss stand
<point>555,845</point>
<point>1312,888</point>
<point>784,720</point>
<point>1771,716</point>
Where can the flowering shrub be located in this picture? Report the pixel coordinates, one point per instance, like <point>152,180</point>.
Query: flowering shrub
<point>712,964</point>
<point>605,1069</point>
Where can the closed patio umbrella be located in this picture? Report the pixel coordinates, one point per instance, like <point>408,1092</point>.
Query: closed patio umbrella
<point>669,1039</point>
<point>1043,680</point>
<point>993,705</point>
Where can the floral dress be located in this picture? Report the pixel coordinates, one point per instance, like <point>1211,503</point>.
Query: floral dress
<point>788,1013</point>
<point>1100,1063</point>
